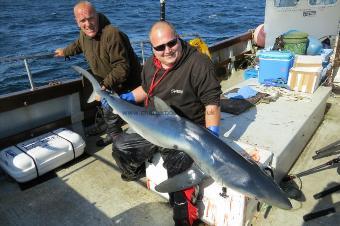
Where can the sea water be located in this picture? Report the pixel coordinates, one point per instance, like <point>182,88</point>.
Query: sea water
<point>41,26</point>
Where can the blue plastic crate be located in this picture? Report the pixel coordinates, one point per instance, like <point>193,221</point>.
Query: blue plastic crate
<point>275,65</point>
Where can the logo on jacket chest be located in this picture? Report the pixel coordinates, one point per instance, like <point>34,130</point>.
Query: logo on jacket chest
<point>176,91</point>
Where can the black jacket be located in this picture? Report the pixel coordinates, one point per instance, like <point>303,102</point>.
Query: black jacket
<point>188,87</point>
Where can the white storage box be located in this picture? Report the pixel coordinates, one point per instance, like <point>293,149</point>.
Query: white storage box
<point>220,206</point>
<point>156,173</point>
<point>308,61</point>
<point>37,156</point>
<point>304,79</point>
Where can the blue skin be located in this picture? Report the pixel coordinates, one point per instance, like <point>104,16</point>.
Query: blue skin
<point>129,97</point>
<point>211,154</point>
<point>104,103</point>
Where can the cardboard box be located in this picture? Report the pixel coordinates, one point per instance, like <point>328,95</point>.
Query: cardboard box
<point>304,79</point>
<point>220,205</point>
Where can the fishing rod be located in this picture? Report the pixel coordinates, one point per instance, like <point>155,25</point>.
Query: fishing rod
<point>42,55</point>
<point>328,165</point>
<point>331,149</point>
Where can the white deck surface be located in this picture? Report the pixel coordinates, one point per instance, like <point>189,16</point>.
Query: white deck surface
<point>282,127</point>
<point>327,133</point>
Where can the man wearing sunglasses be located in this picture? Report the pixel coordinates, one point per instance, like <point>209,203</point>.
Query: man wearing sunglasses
<point>185,79</point>
<point>111,58</point>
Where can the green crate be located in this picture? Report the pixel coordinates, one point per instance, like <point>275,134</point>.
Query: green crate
<point>296,42</point>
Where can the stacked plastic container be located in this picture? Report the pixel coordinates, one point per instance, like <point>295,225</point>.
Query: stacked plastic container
<point>275,65</point>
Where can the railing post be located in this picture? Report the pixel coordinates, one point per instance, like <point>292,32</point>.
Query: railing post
<point>29,75</point>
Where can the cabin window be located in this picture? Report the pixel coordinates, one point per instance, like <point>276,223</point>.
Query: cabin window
<point>322,2</point>
<point>285,3</point>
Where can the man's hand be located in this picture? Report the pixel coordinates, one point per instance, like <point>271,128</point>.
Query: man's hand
<point>59,52</point>
<point>129,97</point>
<point>103,101</point>
<point>97,97</point>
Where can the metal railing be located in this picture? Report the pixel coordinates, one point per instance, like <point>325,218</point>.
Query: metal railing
<point>46,55</point>
<point>25,58</point>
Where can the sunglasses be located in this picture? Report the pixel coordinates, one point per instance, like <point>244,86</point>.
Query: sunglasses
<point>170,44</point>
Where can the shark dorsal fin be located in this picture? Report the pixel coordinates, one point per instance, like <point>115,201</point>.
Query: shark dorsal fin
<point>114,94</point>
<point>161,106</point>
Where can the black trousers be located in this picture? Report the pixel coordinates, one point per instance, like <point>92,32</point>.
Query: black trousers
<point>114,122</point>
<point>131,151</point>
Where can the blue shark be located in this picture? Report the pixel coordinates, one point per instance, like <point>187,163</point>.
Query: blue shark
<point>215,158</point>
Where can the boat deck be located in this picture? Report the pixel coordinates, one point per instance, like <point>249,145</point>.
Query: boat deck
<point>89,191</point>
<point>282,126</point>
<point>327,133</point>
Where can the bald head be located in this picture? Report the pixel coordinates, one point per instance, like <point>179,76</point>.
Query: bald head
<point>165,42</point>
<point>161,27</point>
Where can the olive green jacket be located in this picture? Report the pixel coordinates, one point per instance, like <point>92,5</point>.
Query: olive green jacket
<point>110,56</point>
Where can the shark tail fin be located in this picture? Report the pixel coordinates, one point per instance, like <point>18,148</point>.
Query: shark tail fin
<point>94,82</point>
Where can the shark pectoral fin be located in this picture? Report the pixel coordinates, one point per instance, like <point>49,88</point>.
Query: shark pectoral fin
<point>161,106</point>
<point>92,97</point>
<point>186,179</point>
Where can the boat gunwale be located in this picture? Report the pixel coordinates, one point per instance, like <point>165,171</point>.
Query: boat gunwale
<point>24,98</point>
<point>33,132</point>
<point>231,41</point>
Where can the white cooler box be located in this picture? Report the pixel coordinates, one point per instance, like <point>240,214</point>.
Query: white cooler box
<point>37,156</point>
<point>220,205</point>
